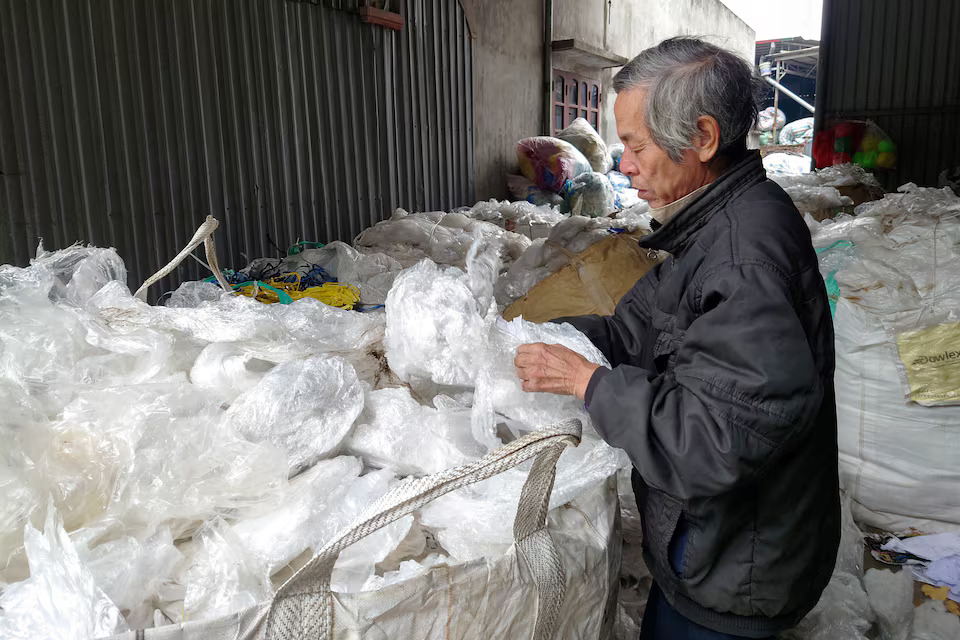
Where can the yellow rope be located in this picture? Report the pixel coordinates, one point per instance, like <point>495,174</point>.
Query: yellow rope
<point>344,296</point>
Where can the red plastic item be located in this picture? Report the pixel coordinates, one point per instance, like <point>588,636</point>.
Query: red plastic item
<point>823,148</point>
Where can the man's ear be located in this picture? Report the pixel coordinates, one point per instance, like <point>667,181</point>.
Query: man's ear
<point>706,141</point>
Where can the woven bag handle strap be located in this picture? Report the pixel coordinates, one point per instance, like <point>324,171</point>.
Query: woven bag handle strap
<point>303,605</point>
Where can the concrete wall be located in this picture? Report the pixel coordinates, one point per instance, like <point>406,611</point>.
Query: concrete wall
<point>507,53</point>
<point>507,81</point>
<point>627,27</point>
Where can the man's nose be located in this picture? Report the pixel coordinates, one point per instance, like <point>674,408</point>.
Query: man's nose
<point>627,165</point>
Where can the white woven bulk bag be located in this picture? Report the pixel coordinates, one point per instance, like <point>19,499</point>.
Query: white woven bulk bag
<point>558,579</point>
<point>899,460</point>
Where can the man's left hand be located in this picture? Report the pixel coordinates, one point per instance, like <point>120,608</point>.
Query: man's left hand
<point>554,369</point>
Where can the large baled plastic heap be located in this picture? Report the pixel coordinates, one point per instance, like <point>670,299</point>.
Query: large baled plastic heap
<point>176,463</point>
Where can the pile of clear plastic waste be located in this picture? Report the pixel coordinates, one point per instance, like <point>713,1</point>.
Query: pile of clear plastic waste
<point>174,463</point>
<point>817,190</point>
<point>892,272</point>
<point>179,462</point>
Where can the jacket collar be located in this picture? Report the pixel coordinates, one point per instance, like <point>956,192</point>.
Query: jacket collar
<point>678,230</point>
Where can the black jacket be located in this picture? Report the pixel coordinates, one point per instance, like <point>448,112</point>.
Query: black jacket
<point>722,394</point>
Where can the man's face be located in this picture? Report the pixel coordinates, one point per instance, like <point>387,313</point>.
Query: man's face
<point>657,178</point>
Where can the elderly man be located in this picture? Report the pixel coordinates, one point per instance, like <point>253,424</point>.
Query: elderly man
<point>721,386</point>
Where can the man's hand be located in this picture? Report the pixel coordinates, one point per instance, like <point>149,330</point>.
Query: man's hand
<point>554,369</point>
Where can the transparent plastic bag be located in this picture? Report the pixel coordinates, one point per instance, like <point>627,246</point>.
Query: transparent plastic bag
<point>192,294</point>
<point>273,332</point>
<point>809,199</point>
<point>222,577</point>
<point>586,139</point>
<point>131,573</point>
<point>398,433</point>
<point>436,319</point>
<point>499,391</point>
<point>305,407</point>
<point>444,238</point>
<point>298,516</point>
<point>786,164</point>
<point>60,600</point>
<point>227,368</point>
<point>79,272</point>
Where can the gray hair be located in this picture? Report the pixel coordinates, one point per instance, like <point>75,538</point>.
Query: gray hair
<point>686,78</point>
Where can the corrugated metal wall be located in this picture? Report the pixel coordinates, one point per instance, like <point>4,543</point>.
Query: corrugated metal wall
<point>895,63</point>
<point>125,122</point>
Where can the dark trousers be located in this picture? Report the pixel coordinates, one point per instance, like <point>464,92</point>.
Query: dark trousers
<point>663,622</point>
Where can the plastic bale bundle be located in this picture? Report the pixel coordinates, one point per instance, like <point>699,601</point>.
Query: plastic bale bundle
<point>557,579</point>
<point>550,162</point>
<point>590,194</point>
<point>897,274</point>
<point>586,139</point>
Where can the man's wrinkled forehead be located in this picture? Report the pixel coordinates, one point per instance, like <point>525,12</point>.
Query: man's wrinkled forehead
<point>628,111</point>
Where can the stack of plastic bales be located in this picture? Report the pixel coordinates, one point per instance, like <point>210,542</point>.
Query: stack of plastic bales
<point>893,273</point>
<point>574,172</point>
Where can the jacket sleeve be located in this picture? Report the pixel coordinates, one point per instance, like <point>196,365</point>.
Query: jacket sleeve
<point>743,384</point>
<point>622,336</point>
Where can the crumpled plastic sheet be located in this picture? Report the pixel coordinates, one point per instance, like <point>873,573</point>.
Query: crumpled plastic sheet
<point>436,319</point>
<point>903,258</point>
<point>809,198</point>
<point>442,328</point>
<point>477,521</point>
<point>396,432</point>
<point>841,175</point>
<point>444,238</point>
<point>60,600</point>
<point>192,294</point>
<point>305,407</point>
<point>933,622</point>
<point>408,569</point>
<point>132,572</point>
<point>499,391</point>
<point>231,566</point>
<point>786,164</point>
<point>891,597</point>
<point>227,368</point>
<point>274,332</point>
<point>78,272</point>
<point>520,213</point>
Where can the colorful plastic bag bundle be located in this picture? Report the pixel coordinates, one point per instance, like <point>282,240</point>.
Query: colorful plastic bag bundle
<point>585,138</point>
<point>550,162</point>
